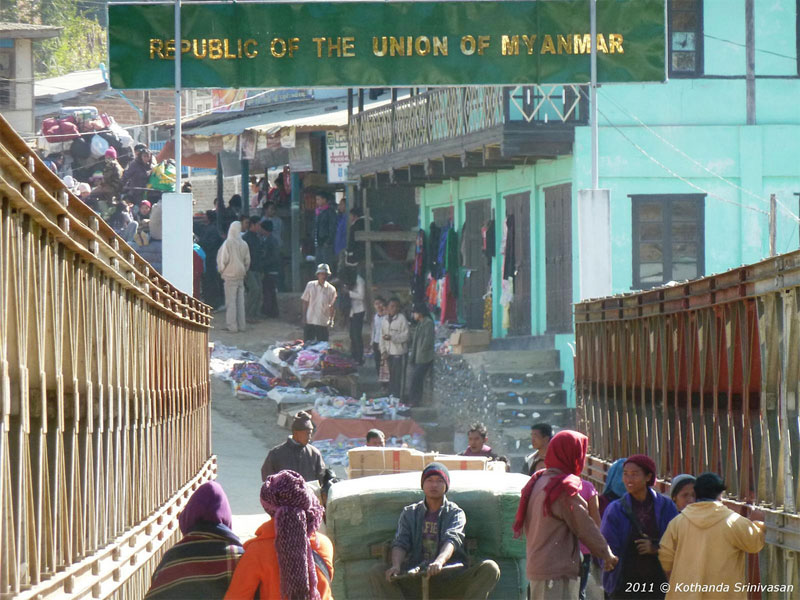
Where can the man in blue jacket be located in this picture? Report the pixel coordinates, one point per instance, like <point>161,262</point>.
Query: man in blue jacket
<point>633,526</point>
<point>430,533</point>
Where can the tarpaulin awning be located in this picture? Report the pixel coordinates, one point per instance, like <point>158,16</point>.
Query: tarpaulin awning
<point>329,428</point>
<point>204,160</point>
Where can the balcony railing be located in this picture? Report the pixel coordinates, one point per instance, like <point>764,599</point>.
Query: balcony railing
<point>450,113</point>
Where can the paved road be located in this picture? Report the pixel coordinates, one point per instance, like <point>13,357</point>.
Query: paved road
<point>243,431</point>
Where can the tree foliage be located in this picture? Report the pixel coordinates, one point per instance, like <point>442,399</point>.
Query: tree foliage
<point>81,44</point>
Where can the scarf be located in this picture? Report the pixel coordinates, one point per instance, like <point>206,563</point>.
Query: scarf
<point>297,514</point>
<point>567,453</point>
<point>614,479</point>
<point>208,504</point>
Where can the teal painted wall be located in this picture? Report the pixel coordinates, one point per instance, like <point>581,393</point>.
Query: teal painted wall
<point>684,136</point>
<point>752,162</point>
<point>495,186</point>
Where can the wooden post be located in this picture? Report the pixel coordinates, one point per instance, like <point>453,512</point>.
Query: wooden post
<point>368,244</point>
<point>245,187</point>
<point>750,52</point>
<point>295,206</point>
<point>773,229</point>
<point>394,117</point>
<point>220,190</point>
<point>146,118</point>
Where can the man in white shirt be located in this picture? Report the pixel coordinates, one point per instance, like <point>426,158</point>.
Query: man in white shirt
<point>377,321</point>
<point>357,288</point>
<point>318,300</point>
<point>394,343</point>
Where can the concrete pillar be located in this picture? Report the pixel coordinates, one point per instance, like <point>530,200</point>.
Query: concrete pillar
<point>176,245</point>
<point>594,243</point>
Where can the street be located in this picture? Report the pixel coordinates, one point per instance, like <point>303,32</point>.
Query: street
<point>243,431</point>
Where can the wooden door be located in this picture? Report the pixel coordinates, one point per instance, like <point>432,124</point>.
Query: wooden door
<point>476,266</point>
<point>519,206</point>
<point>558,257</point>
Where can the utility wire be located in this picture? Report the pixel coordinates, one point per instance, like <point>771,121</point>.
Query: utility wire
<point>165,121</point>
<point>731,42</point>
<point>786,209</point>
<point>673,173</point>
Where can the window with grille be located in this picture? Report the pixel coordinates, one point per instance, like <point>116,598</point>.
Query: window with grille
<point>668,238</point>
<point>685,26</point>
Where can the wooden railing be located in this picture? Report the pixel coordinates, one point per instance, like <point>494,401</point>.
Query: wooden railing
<point>449,113</point>
<point>705,376</point>
<point>104,394</point>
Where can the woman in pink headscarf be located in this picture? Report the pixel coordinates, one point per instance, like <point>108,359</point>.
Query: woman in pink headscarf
<point>288,558</point>
<point>554,517</point>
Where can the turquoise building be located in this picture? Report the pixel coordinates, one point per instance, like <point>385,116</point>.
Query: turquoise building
<point>690,165</point>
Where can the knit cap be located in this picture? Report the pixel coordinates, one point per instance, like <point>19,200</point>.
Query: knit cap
<point>679,482</point>
<point>436,468</point>
<point>646,463</point>
<point>302,422</point>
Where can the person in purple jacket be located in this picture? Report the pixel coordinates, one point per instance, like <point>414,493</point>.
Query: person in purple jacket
<point>633,526</point>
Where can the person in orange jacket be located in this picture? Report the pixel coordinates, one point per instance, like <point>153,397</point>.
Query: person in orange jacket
<point>288,558</point>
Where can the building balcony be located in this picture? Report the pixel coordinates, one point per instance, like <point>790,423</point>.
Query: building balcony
<point>449,133</point>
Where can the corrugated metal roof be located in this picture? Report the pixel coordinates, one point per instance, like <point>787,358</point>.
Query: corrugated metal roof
<point>68,84</point>
<point>27,30</point>
<point>305,116</point>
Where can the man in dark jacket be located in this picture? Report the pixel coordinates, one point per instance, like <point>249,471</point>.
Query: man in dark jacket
<point>421,352</point>
<point>271,268</point>
<point>136,176</point>
<point>430,533</point>
<point>356,251</point>
<point>296,453</point>
<point>325,229</point>
<point>254,282</point>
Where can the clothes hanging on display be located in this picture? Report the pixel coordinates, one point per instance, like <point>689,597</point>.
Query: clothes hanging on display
<point>453,261</point>
<point>488,238</point>
<point>418,278</point>
<point>434,238</point>
<point>487,311</point>
<point>441,252</point>
<point>448,300</point>
<point>510,262</point>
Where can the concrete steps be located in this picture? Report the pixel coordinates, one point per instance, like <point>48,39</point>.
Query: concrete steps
<point>535,377</point>
<point>524,385</point>
<point>524,396</point>
<point>520,362</point>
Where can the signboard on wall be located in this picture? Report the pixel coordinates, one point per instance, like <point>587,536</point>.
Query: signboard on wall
<point>379,44</point>
<point>338,155</point>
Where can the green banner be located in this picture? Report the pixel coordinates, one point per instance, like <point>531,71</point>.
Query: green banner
<point>375,44</point>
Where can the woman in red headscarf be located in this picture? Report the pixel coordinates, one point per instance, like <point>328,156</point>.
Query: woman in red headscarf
<point>554,517</point>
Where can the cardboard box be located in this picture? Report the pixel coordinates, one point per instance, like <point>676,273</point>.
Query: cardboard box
<point>466,341</point>
<point>461,463</point>
<point>367,461</point>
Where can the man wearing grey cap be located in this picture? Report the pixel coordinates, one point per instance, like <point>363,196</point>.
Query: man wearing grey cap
<point>296,453</point>
<point>318,300</point>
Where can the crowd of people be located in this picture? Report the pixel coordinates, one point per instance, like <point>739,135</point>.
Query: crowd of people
<point>126,192</point>
<point>688,545</point>
<point>242,263</point>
